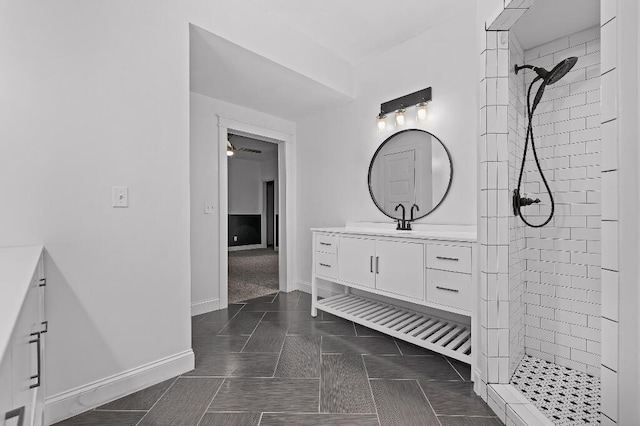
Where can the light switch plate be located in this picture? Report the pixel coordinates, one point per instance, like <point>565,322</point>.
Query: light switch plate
<point>120,196</point>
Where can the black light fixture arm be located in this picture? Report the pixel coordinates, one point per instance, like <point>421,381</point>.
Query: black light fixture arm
<point>405,101</point>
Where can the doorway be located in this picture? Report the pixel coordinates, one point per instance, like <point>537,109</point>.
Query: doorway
<point>253,262</point>
<point>286,213</point>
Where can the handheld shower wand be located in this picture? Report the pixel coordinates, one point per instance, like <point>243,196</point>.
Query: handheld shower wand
<point>547,77</point>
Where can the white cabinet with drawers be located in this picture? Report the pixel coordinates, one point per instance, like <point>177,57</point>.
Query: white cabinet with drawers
<point>22,333</point>
<point>432,269</point>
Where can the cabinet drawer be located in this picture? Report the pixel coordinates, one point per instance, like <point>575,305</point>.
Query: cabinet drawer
<point>326,243</point>
<point>449,289</point>
<point>326,265</point>
<point>449,258</point>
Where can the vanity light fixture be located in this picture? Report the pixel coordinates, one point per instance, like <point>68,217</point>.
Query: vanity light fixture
<point>400,117</point>
<point>382,124</point>
<point>229,149</point>
<point>420,99</point>
<point>421,110</point>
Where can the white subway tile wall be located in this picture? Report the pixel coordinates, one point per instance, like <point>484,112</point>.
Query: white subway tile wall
<point>562,289</point>
<point>518,253</point>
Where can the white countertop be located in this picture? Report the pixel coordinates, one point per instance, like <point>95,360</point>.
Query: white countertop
<point>461,233</point>
<point>17,266</point>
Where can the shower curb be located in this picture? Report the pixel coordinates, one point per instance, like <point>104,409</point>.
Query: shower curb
<point>513,408</point>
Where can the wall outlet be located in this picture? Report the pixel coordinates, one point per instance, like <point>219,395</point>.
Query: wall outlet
<point>235,238</point>
<point>209,208</point>
<point>120,196</point>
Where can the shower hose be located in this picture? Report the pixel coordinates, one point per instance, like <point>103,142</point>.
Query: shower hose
<point>529,137</point>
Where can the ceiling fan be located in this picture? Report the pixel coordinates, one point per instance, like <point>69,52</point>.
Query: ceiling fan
<point>232,149</point>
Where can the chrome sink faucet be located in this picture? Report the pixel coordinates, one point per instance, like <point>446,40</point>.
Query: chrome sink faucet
<point>403,225</point>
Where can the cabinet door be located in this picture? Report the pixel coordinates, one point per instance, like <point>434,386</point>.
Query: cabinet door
<point>25,354</point>
<point>400,268</point>
<point>355,261</point>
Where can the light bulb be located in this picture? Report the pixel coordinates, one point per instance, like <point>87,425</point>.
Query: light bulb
<point>400,117</point>
<point>422,111</point>
<point>229,153</point>
<point>382,124</point>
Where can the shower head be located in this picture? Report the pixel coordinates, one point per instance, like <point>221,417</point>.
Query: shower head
<point>561,70</point>
<point>550,77</point>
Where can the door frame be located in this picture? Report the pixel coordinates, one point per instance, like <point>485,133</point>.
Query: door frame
<point>286,200</point>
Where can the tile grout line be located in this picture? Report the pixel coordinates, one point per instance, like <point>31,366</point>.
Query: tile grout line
<point>455,369</point>
<point>371,388</point>
<point>251,335</point>
<point>158,400</point>
<point>428,402</point>
<point>211,402</point>
<point>320,378</point>
<point>281,347</point>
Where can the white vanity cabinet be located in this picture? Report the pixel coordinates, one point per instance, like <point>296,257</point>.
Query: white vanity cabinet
<point>22,332</point>
<point>431,269</point>
<point>391,266</point>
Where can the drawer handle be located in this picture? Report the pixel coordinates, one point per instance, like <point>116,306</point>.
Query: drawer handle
<point>455,259</point>
<point>18,412</point>
<point>325,265</point>
<point>447,289</point>
<point>37,376</point>
<point>371,264</point>
<point>377,265</point>
<point>324,244</point>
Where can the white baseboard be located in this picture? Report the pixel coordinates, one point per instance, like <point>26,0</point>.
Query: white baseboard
<point>323,291</point>
<point>75,401</point>
<point>204,306</point>
<point>248,247</point>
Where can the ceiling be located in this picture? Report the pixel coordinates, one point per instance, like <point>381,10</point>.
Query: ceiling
<point>549,20</point>
<point>357,30</point>
<point>223,70</point>
<point>269,149</point>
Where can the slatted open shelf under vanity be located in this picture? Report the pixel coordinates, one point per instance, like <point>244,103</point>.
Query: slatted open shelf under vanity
<point>443,336</point>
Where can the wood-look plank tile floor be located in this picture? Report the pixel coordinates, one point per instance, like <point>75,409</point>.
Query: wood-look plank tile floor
<point>268,362</point>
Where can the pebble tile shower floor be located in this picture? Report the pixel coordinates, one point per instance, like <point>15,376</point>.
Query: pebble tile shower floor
<point>268,362</point>
<point>567,397</point>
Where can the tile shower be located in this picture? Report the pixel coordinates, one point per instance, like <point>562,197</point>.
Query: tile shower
<point>541,288</point>
<point>554,271</point>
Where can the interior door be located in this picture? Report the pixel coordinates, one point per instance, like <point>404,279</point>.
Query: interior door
<point>356,258</point>
<point>400,268</point>
<point>399,179</point>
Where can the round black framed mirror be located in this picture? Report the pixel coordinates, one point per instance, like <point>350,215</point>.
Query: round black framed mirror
<point>412,168</point>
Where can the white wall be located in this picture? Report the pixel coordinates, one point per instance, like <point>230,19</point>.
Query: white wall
<point>89,101</point>
<point>96,94</point>
<point>335,147</point>
<point>204,187</point>
<point>245,186</point>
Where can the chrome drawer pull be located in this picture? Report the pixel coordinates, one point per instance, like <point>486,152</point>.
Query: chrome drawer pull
<point>455,259</point>
<point>324,244</point>
<point>447,289</point>
<point>325,265</point>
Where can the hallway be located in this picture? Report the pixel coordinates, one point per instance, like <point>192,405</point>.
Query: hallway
<point>252,273</point>
<point>268,362</point>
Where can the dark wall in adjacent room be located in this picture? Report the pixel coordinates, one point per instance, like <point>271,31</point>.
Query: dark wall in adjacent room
<point>246,227</point>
